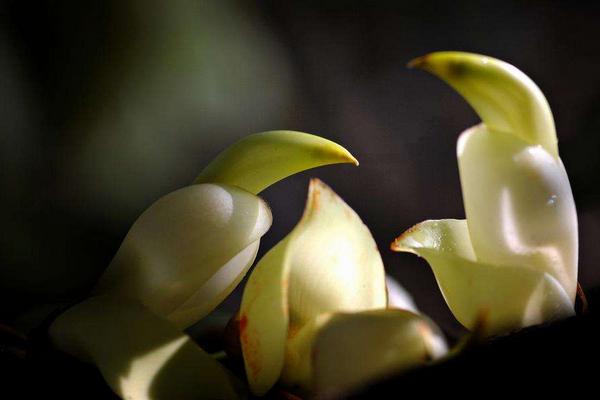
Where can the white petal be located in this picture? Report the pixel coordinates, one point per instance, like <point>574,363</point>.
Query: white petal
<point>351,350</point>
<point>183,241</point>
<point>508,297</point>
<point>335,264</point>
<point>217,288</point>
<point>328,263</point>
<point>141,356</point>
<point>519,205</point>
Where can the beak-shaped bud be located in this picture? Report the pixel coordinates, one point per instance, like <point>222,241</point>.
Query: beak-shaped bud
<point>257,161</point>
<point>515,256</point>
<point>505,98</point>
<point>179,260</point>
<point>192,247</point>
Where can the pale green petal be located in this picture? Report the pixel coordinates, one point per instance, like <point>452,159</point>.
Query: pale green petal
<point>217,288</point>
<point>504,97</point>
<point>140,355</point>
<point>507,297</point>
<point>328,263</point>
<point>298,366</point>
<point>191,245</point>
<point>257,161</point>
<point>519,205</point>
<point>351,350</point>
<point>336,265</point>
<point>264,319</point>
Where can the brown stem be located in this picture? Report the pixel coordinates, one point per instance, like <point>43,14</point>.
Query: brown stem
<point>581,303</point>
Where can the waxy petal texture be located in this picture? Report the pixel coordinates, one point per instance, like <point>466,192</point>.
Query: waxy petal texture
<point>513,261</point>
<point>328,263</point>
<point>257,161</point>
<point>354,349</point>
<point>519,205</point>
<point>500,296</point>
<point>172,259</point>
<point>140,355</point>
<point>505,98</point>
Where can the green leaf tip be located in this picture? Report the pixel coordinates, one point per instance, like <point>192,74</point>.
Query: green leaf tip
<point>504,97</point>
<point>259,160</point>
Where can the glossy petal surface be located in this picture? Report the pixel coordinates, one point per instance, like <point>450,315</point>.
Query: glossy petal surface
<point>257,161</point>
<point>505,296</point>
<point>514,260</point>
<point>354,349</point>
<point>328,263</point>
<point>519,205</point>
<point>198,235</point>
<point>141,356</point>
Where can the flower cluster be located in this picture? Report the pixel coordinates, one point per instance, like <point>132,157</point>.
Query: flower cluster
<point>317,314</point>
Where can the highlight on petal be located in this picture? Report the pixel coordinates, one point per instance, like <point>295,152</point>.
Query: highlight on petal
<point>328,263</point>
<point>508,296</point>
<point>354,349</point>
<point>188,251</point>
<point>504,97</point>
<point>140,355</point>
<point>398,296</point>
<point>257,161</point>
<point>519,205</point>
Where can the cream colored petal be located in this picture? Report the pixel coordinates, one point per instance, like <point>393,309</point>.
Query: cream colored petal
<point>519,205</point>
<point>328,263</point>
<point>264,319</point>
<point>217,288</point>
<point>351,350</point>
<point>257,161</point>
<point>141,356</point>
<point>335,264</point>
<point>508,297</point>
<point>504,97</point>
<point>182,242</point>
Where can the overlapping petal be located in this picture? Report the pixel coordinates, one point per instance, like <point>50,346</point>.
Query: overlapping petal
<point>515,257</point>
<point>519,205</point>
<point>326,271</point>
<point>141,355</point>
<point>179,260</point>
<point>175,253</point>
<point>354,349</point>
<point>328,263</point>
<point>191,248</point>
<point>502,296</point>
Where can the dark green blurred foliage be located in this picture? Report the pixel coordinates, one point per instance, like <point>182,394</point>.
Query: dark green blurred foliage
<point>113,104</point>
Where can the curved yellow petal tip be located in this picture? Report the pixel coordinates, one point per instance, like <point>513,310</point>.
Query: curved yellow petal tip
<point>400,243</point>
<point>450,64</point>
<point>259,160</point>
<point>417,63</point>
<point>504,97</point>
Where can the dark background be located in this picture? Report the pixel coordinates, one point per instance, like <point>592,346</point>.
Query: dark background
<point>106,106</point>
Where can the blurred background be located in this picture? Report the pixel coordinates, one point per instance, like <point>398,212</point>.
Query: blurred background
<point>107,105</point>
